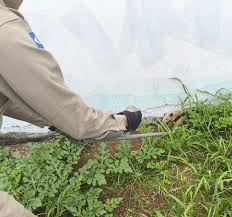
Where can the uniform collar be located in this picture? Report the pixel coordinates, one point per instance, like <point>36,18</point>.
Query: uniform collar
<point>16,12</point>
<point>13,10</point>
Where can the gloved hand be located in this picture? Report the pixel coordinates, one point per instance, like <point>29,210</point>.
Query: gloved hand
<point>134,117</point>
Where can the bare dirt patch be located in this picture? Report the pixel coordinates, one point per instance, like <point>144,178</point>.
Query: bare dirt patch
<point>18,149</point>
<point>136,201</point>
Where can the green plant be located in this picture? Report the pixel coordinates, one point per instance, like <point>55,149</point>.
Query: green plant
<point>186,173</point>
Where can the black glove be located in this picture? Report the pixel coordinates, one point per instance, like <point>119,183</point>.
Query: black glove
<point>133,118</point>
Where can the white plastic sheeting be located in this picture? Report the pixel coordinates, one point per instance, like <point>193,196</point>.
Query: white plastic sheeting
<point>121,52</point>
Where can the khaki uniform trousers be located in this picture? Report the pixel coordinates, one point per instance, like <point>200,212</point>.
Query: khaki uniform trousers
<point>9,207</point>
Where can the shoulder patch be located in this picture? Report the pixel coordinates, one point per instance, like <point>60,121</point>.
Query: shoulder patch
<point>36,40</point>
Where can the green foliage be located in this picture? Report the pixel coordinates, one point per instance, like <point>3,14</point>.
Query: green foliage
<point>147,153</point>
<point>202,146</point>
<point>10,174</point>
<point>189,171</point>
<point>44,179</point>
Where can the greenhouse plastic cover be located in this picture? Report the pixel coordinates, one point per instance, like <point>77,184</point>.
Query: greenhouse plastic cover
<point>117,53</point>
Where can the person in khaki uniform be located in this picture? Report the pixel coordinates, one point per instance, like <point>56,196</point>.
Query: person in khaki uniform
<point>32,89</point>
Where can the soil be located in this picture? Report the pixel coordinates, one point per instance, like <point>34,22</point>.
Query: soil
<point>148,197</point>
<point>18,149</point>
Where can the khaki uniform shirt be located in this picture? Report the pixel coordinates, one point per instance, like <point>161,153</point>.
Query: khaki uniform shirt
<point>32,87</point>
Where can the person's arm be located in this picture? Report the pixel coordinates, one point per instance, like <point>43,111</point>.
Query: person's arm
<point>34,75</point>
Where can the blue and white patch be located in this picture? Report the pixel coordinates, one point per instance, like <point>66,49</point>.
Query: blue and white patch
<point>36,40</point>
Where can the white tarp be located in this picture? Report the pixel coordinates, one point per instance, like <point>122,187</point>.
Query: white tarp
<point>121,52</point>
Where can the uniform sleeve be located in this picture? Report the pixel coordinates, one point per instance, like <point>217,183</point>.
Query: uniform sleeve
<point>34,75</point>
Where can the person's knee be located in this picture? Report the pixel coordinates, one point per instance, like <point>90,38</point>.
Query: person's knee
<point>10,207</point>
<point>4,197</point>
